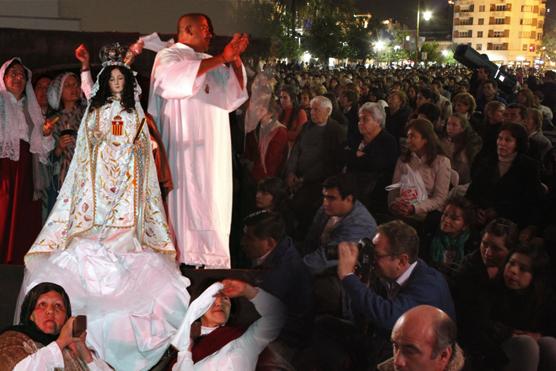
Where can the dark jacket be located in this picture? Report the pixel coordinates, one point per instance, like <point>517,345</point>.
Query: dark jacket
<point>286,277</point>
<point>425,285</point>
<point>516,195</point>
<point>396,122</point>
<point>329,163</point>
<point>373,171</point>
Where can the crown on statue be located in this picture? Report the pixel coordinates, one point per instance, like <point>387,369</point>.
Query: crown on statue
<point>114,55</point>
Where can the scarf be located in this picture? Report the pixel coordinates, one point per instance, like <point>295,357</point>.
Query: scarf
<point>32,331</point>
<point>442,243</point>
<point>205,345</point>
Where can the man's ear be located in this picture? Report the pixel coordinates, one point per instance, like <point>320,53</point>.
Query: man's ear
<point>404,259</point>
<point>446,354</point>
<point>349,198</point>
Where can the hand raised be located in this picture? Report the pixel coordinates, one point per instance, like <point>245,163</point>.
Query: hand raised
<point>82,54</point>
<point>235,288</point>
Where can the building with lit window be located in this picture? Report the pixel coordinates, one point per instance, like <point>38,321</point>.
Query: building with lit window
<point>508,31</point>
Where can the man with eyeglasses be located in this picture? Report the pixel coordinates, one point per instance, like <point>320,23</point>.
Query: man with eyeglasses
<point>403,281</point>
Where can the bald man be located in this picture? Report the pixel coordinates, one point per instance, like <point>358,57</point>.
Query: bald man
<point>190,98</point>
<point>424,338</point>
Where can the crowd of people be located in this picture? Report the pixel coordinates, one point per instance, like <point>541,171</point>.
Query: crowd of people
<point>373,204</point>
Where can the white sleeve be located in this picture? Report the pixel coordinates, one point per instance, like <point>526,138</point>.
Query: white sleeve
<point>86,83</point>
<point>175,74</point>
<point>98,365</point>
<point>268,327</point>
<point>184,362</point>
<point>46,358</point>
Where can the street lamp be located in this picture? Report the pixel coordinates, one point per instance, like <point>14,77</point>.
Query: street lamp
<point>427,15</point>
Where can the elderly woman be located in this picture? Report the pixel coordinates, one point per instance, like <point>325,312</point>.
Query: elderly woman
<point>24,142</point>
<point>425,157</point>
<point>374,158</point>
<point>508,184</point>
<point>461,144</point>
<point>221,346</point>
<point>44,339</point>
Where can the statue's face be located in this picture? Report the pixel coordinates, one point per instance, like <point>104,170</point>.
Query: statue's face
<point>116,82</point>
<point>50,313</point>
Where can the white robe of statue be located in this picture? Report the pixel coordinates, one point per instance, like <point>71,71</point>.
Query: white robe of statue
<point>108,244</point>
<point>192,116</point>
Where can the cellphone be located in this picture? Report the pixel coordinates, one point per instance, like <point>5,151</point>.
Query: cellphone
<point>71,132</point>
<point>79,326</point>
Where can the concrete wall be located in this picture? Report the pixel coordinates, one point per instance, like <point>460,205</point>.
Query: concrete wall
<point>143,16</point>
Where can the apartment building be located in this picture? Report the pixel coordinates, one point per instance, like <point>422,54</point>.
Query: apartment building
<point>508,31</point>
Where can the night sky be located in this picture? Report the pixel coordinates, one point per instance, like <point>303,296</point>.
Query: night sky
<point>405,12</point>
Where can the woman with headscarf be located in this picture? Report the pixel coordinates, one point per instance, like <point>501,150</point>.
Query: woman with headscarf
<point>24,142</point>
<point>106,240</point>
<point>64,97</point>
<point>44,339</point>
<point>221,346</point>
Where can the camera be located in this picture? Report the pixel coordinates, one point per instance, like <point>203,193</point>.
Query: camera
<point>470,58</point>
<point>366,251</point>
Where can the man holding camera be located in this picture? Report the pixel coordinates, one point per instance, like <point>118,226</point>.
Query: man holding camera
<point>403,281</point>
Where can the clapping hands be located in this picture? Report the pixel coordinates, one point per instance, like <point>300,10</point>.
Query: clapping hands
<point>235,47</point>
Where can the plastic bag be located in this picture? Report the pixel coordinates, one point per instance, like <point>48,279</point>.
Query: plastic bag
<point>411,185</point>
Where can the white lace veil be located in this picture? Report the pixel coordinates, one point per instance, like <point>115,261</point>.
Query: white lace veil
<point>9,138</point>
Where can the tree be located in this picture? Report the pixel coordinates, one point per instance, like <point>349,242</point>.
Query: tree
<point>433,52</point>
<point>548,48</point>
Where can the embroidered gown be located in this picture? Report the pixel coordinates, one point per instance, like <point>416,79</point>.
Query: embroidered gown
<point>108,244</point>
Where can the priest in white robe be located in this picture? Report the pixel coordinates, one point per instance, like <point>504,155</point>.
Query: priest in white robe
<point>191,95</point>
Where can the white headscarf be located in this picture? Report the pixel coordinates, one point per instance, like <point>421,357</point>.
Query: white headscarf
<point>10,131</point>
<point>55,89</point>
<point>197,308</point>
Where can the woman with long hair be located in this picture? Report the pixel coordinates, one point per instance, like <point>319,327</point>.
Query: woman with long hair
<point>518,329</point>
<point>425,157</point>
<point>293,116</point>
<point>461,143</point>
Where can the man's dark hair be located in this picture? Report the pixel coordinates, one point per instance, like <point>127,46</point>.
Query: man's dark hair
<point>33,296</point>
<point>501,227</point>
<point>428,93</point>
<point>345,183</point>
<point>493,82</point>
<point>446,332</point>
<point>351,96</point>
<point>522,109</point>
<point>402,239</point>
<point>195,16</point>
<point>266,224</point>
<point>430,110</point>
<point>520,135</point>
<point>277,188</point>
